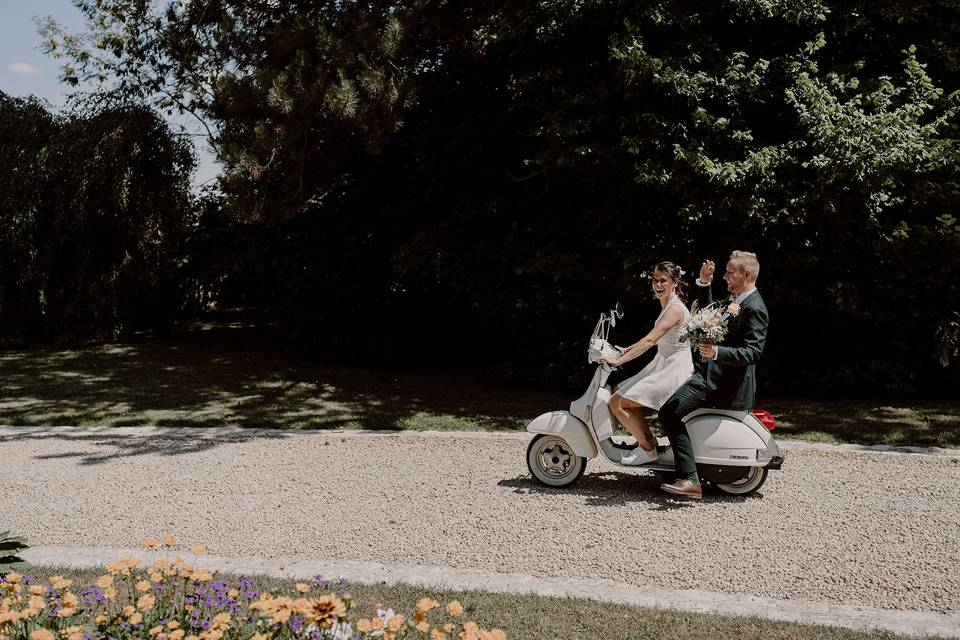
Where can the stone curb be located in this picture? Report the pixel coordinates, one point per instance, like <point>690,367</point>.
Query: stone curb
<point>911,623</point>
<point>228,432</point>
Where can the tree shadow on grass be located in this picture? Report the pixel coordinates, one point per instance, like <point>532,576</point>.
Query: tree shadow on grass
<point>118,447</point>
<point>237,378</point>
<point>917,422</point>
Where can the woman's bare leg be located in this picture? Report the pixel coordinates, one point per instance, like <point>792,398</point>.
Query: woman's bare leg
<point>630,415</point>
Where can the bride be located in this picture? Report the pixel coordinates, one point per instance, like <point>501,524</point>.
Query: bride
<point>670,368</point>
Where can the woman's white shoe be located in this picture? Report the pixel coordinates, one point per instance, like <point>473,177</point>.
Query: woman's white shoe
<point>639,456</point>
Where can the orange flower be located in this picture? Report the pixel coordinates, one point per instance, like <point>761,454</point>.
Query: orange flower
<point>176,635</point>
<point>143,586</point>
<point>36,590</point>
<point>198,549</point>
<point>12,578</point>
<point>104,581</point>
<point>135,618</point>
<point>363,625</point>
<point>497,634</point>
<point>438,634</point>
<point>145,603</point>
<point>59,582</point>
<point>426,604</point>
<point>168,541</point>
<point>303,587</point>
<point>423,627</point>
<point>455,608</point>
<point>395,622</point>
<point>150,543</point>
<point>42,634</point>
<point>73,633</point>
<point>110,593</point>
<point>324,610</point>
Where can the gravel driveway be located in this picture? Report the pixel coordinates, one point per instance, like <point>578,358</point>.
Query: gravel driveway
<point>850,528</point>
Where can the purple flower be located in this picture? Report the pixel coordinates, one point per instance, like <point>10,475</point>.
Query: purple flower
<point>27,579</point>
<point>188,600</point>
<point>296,623</point>
<point>252,594</point>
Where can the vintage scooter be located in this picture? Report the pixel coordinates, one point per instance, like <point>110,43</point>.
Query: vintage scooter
<point>733,449</point>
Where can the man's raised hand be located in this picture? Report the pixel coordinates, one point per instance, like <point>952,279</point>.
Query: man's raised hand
<point>707,270</point>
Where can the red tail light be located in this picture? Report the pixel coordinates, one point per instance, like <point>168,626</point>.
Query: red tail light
<point>765,418</point>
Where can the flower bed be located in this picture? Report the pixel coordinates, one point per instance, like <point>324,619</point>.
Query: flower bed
<point>175,600</point>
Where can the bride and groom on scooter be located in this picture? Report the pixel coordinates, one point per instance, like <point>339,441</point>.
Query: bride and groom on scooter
<point>671,384</point>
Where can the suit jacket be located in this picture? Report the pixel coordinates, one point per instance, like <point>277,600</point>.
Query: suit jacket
<point>731,378</point>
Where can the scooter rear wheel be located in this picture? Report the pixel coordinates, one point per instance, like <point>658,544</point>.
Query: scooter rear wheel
<point>552,462</point>
<point>746,485</point>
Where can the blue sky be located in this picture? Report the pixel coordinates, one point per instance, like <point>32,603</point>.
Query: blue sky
<point>25,70</point>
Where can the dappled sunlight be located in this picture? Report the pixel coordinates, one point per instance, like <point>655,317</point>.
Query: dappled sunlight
<point>206,378</point>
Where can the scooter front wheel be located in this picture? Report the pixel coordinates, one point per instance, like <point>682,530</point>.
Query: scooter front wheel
<point>552,462</point>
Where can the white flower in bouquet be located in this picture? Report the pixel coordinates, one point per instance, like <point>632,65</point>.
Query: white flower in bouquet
<point>705,326</point>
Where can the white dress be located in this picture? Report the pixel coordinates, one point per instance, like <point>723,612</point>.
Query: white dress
<point>669,369</point>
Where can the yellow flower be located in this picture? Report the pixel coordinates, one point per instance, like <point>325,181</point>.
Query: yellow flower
<point>426,604</point>
<point>203,576</point>
<point>423,627</point>
<point>363,625</point>
<point>198,549</point>
<point>59,582</point>
<point>455,608</point>
<point>145,603</point>
<point>303,587</point>
<point>104,581</point>
<point>13,578</point>
<point>100,620</point>
<point>168,541</point>
<point>136,618</point>
<point>176,635</point>
<point>377,624</point>
<point>150,543</point>
<point>395,622</point>
<point>233,593</point>
<point>173,624</point>
<point>438,634</point>
<point>155,631</point>
<point>110,593</point>
<point>143,586</point>
<point>42,634</point>
<point>36,590</point>
<point>156,576</point>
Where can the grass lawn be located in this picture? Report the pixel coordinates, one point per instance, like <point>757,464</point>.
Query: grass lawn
<point>530,617</point>
<point>214,376</point>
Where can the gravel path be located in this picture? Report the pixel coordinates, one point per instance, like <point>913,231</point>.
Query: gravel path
<point>849,528</point>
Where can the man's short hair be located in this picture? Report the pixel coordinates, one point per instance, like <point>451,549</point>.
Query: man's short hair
<point>747,262</point>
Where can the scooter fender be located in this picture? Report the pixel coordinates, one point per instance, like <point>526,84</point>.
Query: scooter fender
<point>723,440</point>
<point>564,424</point>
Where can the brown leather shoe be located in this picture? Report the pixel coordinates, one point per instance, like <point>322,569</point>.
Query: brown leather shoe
<point>684,487</point>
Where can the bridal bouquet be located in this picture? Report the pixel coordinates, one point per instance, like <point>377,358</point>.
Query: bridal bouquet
<point>709,324</point>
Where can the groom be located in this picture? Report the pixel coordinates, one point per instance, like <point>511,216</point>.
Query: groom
<point>727,377</point>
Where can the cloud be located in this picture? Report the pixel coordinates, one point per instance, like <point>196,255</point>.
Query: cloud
<point>24,69</point>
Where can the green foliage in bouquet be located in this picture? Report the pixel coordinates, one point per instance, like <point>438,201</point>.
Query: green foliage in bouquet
<point>10,546</point>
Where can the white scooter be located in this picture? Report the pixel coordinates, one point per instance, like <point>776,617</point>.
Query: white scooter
<point>733,449</point>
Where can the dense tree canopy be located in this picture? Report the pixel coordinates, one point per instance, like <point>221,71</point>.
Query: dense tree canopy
<point>93,206</point>
<point>481,178</point>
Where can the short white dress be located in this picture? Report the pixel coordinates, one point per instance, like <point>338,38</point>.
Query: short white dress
<point>669,369</point>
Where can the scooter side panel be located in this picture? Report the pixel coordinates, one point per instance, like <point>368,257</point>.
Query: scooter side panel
<point>570,428</point>
<point>722,440</point>
<point>602,422</point>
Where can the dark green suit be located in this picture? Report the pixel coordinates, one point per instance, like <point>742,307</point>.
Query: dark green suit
<point>727,382</point>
